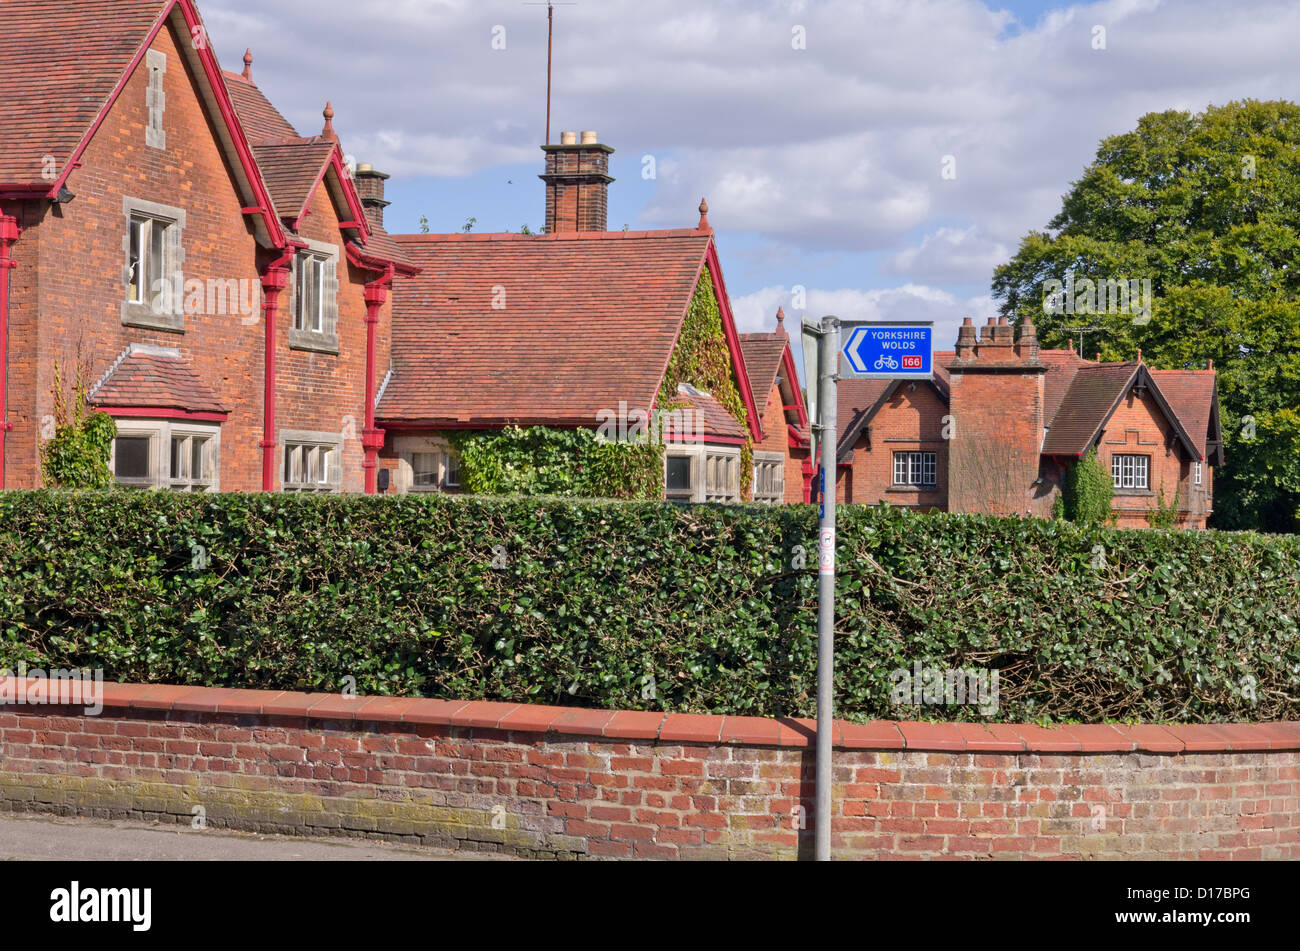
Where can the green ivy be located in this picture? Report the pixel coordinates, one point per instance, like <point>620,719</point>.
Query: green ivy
<point>77,456</point>
<point>559,462</point>
<point>647,605</point>
<point>1086,492</point>
<point>702,359</point>
<point>1165,513</point>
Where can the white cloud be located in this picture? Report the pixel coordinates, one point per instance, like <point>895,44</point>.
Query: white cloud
<point>951,256</point>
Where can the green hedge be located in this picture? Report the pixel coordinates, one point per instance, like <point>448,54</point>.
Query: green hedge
<point>582,603</point>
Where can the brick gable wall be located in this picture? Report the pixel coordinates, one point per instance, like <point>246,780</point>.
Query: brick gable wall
<point>81,259</point>
<point>910,421</point>
<point>1139,427</point>
<point>70,275</point>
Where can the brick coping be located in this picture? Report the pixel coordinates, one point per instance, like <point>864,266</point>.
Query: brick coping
<point>634,725</point>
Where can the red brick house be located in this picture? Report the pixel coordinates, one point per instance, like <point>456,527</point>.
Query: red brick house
<point>219,278</point>
<point>574,328</point>
<point>1002,421</point>
<point>782,463</point>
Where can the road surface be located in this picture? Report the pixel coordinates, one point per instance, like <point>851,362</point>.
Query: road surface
<point>30,837</point>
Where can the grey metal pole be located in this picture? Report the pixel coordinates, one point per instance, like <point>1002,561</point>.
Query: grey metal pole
<point>828,364</point>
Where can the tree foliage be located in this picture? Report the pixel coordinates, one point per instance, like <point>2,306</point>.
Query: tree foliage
<point>1207,207</point>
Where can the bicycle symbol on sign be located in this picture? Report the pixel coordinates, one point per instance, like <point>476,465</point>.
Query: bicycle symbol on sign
<point>886,362</point>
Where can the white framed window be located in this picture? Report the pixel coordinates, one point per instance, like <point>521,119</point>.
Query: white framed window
<point>166,454</point>
<point>1130,471</point>
<point>313,300</point>
<point>1196,473</point>
<point>313,462</point>
<point>915,468</point>
<point>435,470</point>
<point>769,477</point>
<point>155,99</point>
<point>153,276</point>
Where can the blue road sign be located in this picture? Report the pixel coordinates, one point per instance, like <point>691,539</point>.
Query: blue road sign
<point>888,351</point>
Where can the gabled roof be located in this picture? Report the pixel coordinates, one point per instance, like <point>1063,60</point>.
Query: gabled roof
<point>1089,401</point>
<point>293,166</point>
<point>156,378</point>
<point>769,362</point>
<point>714,421</point>
<point>63,65</point>
<point>260,117</point>
<point>1095,393</point>
<point>543,329</point>
<point>59,65</point>
<point>860,400</point>
<point>1194,399</point>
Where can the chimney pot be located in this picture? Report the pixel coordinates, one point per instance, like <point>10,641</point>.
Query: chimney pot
<point>589,137</point>
<point>568,138</point>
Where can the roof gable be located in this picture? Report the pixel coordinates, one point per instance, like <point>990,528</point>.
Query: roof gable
<point>113,37</point>
<point>543,329</point>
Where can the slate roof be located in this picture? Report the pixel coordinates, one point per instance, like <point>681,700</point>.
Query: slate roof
<point>155,377</point>
<point>585,320</point>
<point>59,63</point>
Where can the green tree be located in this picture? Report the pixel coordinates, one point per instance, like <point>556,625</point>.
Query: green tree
<point>1206,207</point>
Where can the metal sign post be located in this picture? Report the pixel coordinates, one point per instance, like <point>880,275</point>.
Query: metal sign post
<point>829,350</point>
<point>872,350</point>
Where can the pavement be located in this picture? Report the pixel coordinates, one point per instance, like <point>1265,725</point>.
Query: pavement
<point>51,838</point>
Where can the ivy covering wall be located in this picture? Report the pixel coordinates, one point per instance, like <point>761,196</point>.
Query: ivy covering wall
<point>703,360</point>
<point>561,462</point>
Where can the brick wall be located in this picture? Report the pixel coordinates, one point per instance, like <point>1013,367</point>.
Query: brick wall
<point>776,438</point>
<point>910,421</point>
<point>1139,427</point>
<point>571,783</point>
<point>577,188</point>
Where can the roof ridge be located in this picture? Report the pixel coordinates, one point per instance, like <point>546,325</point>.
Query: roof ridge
<point>560,236</point>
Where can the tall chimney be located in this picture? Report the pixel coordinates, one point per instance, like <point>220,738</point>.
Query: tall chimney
<point>370,189</point>
<point>577,184</point>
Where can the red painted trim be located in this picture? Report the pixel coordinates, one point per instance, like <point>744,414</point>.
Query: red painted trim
<point>787,361</point>
<point>733,341</point>
<point>355,209</point>
<point>212,71</point>
<point>372,438</point>
<point>274,280</point>
<point>9,232</point>
<point>795,437</point>
<point>640,726</point>
<point>361,259</point>
<point>162,412</point>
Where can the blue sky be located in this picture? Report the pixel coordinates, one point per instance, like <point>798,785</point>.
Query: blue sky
<point>823,164</point>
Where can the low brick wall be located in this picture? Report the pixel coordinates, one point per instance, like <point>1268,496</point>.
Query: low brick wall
<point>566,783</point>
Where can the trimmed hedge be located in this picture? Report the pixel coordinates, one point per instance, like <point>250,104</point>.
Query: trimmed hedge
<point>583,603</point>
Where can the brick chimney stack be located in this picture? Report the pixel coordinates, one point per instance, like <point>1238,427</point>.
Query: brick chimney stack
<point>370,189</point>
<point>577,184</point>
<point>996,400</point>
